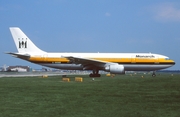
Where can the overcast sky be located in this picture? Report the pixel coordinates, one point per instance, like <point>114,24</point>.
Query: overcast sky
<point>92,26</point>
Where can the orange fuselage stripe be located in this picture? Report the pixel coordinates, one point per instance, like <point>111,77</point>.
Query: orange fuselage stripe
<point>115,60</point>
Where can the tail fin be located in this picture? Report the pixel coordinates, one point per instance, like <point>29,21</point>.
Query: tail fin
<point>23,43</point>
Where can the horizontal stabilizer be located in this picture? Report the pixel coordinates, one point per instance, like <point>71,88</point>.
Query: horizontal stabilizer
<point>17,55</point>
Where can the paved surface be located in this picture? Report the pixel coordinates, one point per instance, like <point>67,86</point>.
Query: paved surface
<point>23,74</point>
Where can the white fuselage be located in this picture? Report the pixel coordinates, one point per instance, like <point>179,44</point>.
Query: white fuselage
<point>130,61</point>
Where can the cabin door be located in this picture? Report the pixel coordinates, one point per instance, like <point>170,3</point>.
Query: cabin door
<point>156,60</point>
<point>133,59</point>
<point>45,57</point>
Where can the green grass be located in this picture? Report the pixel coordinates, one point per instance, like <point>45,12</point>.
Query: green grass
<point>121,96</point>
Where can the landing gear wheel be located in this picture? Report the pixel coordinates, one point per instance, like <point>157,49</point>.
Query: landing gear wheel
<point>94,75</point>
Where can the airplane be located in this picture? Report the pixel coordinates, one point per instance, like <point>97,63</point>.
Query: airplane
<point>115,63</point>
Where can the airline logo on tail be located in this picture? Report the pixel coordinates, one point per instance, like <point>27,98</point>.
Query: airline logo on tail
<point>22,44</point>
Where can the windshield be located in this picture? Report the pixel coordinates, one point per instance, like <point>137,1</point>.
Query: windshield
<point>167,59</point>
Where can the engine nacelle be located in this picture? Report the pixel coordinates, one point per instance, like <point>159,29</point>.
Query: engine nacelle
<point>115,69</point>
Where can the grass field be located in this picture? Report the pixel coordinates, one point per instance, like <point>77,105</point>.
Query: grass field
<point>121,96</point>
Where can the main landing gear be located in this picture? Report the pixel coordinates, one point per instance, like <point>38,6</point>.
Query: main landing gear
<point>154,74</point>
<point>95,73</point>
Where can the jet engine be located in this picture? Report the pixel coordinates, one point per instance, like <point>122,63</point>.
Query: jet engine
<point>115,69</point>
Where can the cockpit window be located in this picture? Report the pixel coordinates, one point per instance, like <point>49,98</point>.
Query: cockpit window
<point>167,59</point>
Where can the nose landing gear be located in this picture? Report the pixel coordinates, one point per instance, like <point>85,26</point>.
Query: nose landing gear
<point>154,74</point>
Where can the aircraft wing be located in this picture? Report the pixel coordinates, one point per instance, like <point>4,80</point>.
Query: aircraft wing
<point>88,62</point>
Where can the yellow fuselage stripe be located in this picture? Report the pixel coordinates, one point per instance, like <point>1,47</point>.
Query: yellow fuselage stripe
<point>115,60</point>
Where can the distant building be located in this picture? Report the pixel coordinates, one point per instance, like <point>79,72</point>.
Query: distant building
<point>1,69</point>
<point>18,69</point>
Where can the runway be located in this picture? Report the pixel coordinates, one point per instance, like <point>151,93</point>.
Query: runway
<point>32,74</point>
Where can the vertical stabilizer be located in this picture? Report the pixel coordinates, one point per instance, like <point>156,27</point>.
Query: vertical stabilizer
<point>23,43</point>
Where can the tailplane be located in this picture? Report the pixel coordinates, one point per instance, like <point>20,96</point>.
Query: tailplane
<point>23,43</point>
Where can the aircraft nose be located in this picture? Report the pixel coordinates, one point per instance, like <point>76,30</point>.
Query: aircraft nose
<point>173,62</point>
